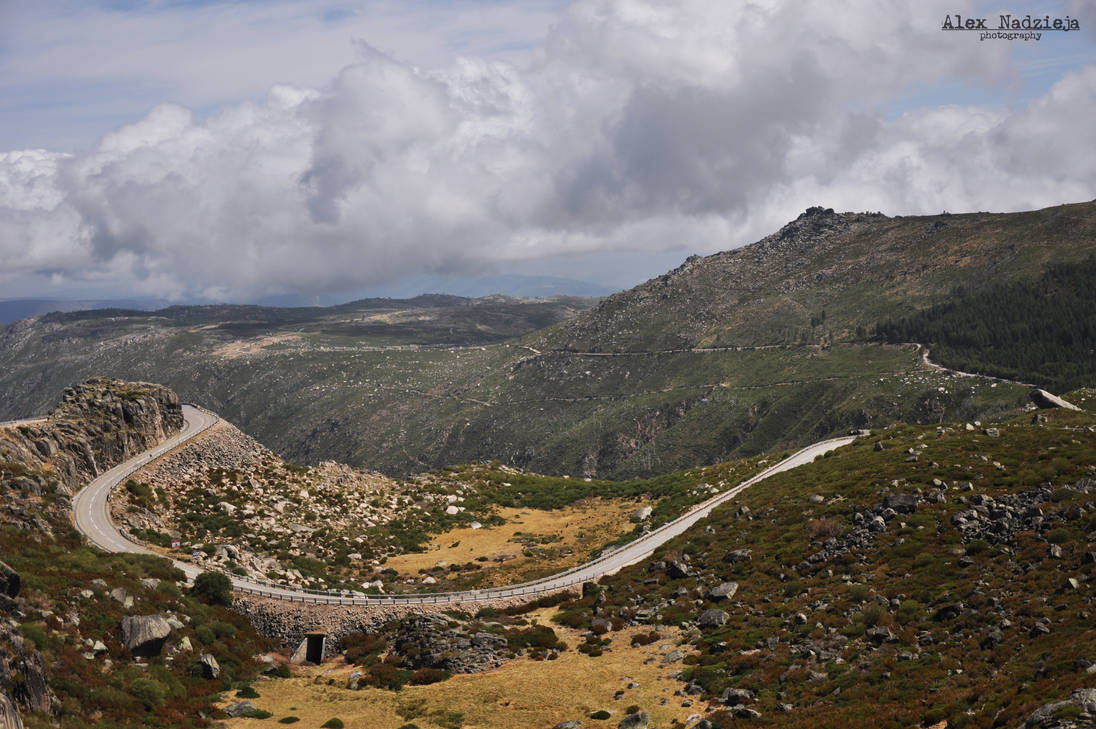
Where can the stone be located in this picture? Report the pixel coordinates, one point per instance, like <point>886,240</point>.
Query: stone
<point>452,510</point>
<point>144,635</point>
<point>208,668</point>
<point>573,724</point>
<point>714,618</point>
<point>677,570</point>
<point>353,681</point>
<point>992,432</point>
<point>736,696</point>
<point>1047,715</point>
<point>9,715</point>
<point>638,720</point>
<point>9,581</point>
<point>901,503</point>
<point>881,634</point>
<point>239,708</point>
<point>736,556</point>
<point>642,514</point>
<point>723,591</point>
<point>1044,399</point>
<point>816,499</point>
<point>600,625</point>
<point>745,712</point>
<point>120,594</point>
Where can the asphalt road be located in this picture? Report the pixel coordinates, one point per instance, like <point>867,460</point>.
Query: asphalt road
<point>93,520</point>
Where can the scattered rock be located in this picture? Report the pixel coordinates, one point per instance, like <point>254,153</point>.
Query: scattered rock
<point>144,635</point>
<point>9,581</point>
<point>642,514</point>
<point>714,618</point>
<point>208,668</point>
<point>239,708</point>
<point>736,556</point>
<point>723,591</point>
<point>1081,703</point>
<point>1044,399</point>
<point>901,503</point>
<point>638,720</point>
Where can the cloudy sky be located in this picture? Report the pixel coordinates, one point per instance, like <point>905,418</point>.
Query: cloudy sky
<point>220,150</point>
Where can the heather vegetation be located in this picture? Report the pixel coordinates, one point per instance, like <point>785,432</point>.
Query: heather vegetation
<point>970,604</point>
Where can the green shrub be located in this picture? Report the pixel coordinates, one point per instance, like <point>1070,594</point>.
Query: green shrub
<point>281,671</point>
<point>205,634</point>
<point>289,720</point>
<point>223,630</point>
<point>977,546</point>
<point>213,588</point>
<point>333,723</point>
<point>258,714</point>
<point>148,692</point>
<point>601,714</point>
<point>34,633</point>
<point>909,611</point>
<point>1058,536</point>
<point>247,692</point>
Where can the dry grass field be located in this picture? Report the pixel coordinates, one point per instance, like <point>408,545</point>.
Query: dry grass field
<point>522,693</point>
<point>532,541</point>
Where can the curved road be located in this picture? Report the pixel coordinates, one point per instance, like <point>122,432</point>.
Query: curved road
<point>93,520</point>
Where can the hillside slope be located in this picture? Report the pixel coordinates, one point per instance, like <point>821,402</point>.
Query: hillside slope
<point>87,638</point>
<point>755,349</point>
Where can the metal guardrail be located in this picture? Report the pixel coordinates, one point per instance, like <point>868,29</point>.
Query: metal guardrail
<point>585,572</point>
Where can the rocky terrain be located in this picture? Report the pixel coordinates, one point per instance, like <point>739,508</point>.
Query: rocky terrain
<point>96,425</point>
<point>236,507</point>
<point>94,639</point>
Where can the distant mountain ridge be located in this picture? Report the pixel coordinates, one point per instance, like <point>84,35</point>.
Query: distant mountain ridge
<point>759,348</point>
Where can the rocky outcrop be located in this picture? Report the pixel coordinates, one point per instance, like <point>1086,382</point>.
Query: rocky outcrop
<point>1076,712</point>
<point>9,717</point>
<point>208,667</point>
<point>1044,399</point>
<point>22,674</point>
<point>144,635</point>
<point>97,425</point>
<point>9,581</point>
<point>442,642</point>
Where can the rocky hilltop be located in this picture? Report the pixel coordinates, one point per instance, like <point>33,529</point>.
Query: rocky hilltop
<point>97,425</point>
<point>824,274</point>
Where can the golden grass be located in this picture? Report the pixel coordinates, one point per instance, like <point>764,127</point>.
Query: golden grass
<point>247,347</point>
<point>581,528</point>
<point>522,693</point>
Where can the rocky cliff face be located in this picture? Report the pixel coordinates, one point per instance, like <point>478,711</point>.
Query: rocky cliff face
<point>42,463</point>
<point>96,425</point>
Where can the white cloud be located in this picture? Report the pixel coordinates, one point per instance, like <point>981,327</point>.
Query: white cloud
<point>636,125</point>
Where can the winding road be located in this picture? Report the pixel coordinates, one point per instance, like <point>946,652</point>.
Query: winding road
<point>92,515</point>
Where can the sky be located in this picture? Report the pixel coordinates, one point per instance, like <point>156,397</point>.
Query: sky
<point>218,150</point>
